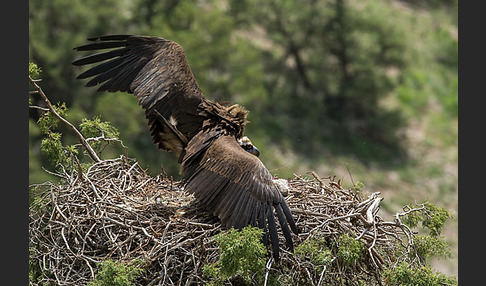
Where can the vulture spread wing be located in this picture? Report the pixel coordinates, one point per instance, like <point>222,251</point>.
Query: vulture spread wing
<point>217,167</point>
<point>156,71</point>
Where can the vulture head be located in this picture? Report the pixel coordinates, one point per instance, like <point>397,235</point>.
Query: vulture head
<point>220,165</point>
<point>246,144</point>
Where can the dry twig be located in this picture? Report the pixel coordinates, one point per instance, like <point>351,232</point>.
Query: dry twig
<point>115,210</point>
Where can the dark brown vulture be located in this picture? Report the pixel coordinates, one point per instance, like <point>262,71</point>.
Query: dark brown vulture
<point>219,165</point>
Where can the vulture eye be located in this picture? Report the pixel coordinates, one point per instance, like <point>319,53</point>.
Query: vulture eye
<point>246,144</point>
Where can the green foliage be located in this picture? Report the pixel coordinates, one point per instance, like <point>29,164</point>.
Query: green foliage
<point>242,256</point>
<point>95,128</point>
<point>315,250</point>
<point>91,128</point>
<point>56,152</point>
<point>358,187</point>
<point>435,219</point>
<point>51,145</point>
<point>115,273</point>
<point>349,249</point>
<point>428,246</point>
<point>60,154</point>
<point>34,70</point>
<point>48,121</point>
<point>404,274</point>
<point>432,217</point>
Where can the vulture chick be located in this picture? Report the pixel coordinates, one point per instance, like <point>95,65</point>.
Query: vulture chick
<point>219,165</point>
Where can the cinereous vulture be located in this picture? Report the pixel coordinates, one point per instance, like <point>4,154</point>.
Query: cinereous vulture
<point>219,165</point>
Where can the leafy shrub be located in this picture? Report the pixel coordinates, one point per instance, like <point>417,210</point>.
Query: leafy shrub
<point>242,256</point>
<point>349,249</point>
<point>404,274</point>
<point>34,70</point>
<point>315,250</point>
<point>115,273</point>
<point>93,128</point>
<point>432,218</point>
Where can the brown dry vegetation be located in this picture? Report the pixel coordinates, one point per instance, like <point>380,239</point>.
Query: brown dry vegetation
<point>115,210</point>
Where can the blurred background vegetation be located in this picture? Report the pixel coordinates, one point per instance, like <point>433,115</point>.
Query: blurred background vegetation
<point>362,90</point>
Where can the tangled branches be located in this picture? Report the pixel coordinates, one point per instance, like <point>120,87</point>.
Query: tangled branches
<point>115,210</point>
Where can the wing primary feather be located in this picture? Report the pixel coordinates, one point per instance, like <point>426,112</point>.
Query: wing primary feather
<point>288,215</point>
<point>125,76</point>
<point>110,38</point>
<point>99,57</point>
<point>226,199</point>
<point>100,68</point>
<point>248,212</point>
<point>214,199</point>
<point>272,229</point>
<point>262,223</point>
<point>105,71</point>
<point>210,194</point>
<point>285,228</point>
<point>101,45</point>
<point>119,81</point>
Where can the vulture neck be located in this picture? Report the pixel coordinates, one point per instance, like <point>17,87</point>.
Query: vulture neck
<point>219,120</point>
<point>229,120</point>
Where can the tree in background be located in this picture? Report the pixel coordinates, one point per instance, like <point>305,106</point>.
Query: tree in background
<point>328,64</point>
<point>317,75</point>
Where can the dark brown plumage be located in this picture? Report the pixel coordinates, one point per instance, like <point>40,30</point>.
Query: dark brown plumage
<point>219,165</point>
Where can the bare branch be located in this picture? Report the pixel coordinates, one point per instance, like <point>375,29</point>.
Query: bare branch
<point>78,134</point>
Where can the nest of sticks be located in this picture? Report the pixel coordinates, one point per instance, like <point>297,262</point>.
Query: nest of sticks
<point>115,210</point>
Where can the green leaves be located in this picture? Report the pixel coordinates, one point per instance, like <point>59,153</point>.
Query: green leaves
<point>404,274</point>
<point>100,133</point>
<point>349,249</point>
<point>51,145</point>
<point>242,256</point>
<point>34,70</point>
<point>315,250</point>
<point>95,128</point>
<point>416,270</point>
<point>53,148</point>
<point>115,273</point>
<point>431,217</point>
<point>48,121</point>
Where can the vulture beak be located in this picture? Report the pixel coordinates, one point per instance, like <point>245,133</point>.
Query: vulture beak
<point>246,144</point>
<point>254,151</point>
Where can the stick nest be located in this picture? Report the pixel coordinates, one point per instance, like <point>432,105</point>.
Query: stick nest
<point>115,210</point>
